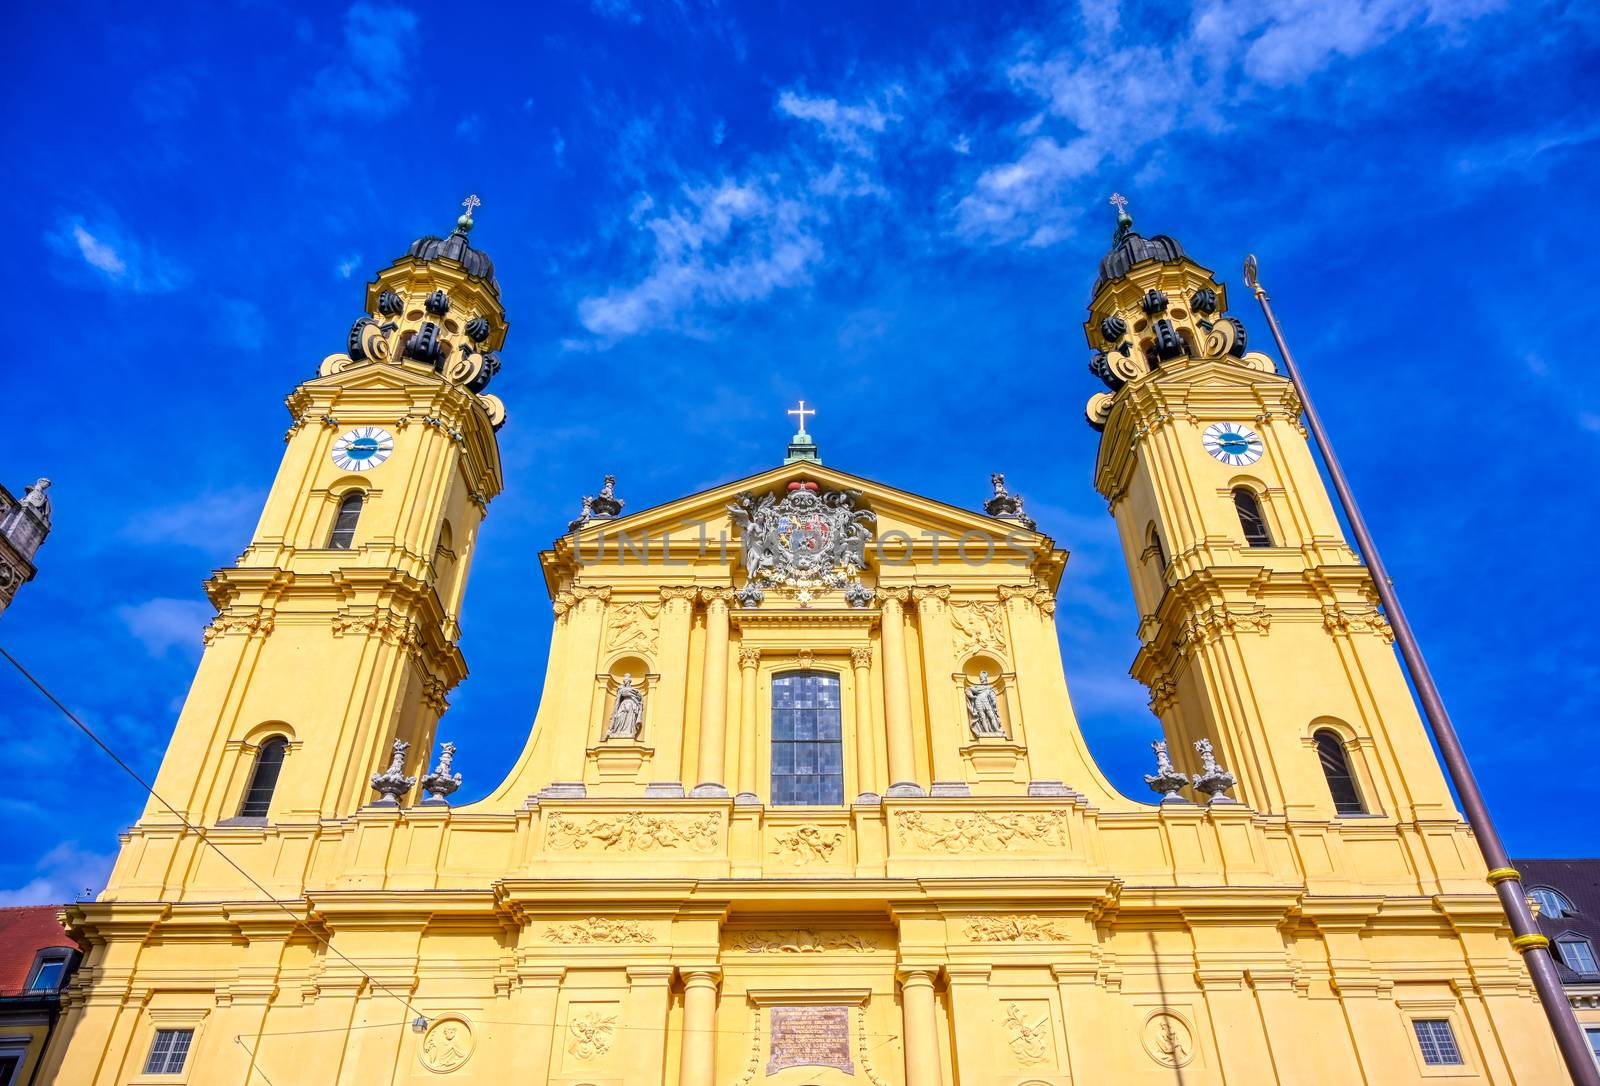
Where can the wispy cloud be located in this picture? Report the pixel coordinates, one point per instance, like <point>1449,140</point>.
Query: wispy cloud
<point>851,127</point>
<point>347,267</point>
<point>732,242</point>
<point>102,254</point>
<point>369,78</point>
<point>618,11</point>
<point>217,520</point>
<point>1102,100</point>
<point>161,624</point>
<point>66,873</point>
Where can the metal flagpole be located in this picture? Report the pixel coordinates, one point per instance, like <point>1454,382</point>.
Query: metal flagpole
<point>1507,881</point>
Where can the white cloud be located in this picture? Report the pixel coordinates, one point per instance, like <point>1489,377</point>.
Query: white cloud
<point>724,244</point>
<point>848,126</point>
<point>1093,103</point>
<point>159,624</point>
<point>104,255</point>
<point>470,127</point>
<point>219,520</point>
<point>618,11</point>
<point>66,873</point>
<point>369,78</point>
<point>347,267</point>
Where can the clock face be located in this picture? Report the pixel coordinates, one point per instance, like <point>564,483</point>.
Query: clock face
<point>364,447</point>
<point>1233,443</point>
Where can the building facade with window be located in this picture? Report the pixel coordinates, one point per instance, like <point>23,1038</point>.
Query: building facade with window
<point>37,958</point>
<point>1567,893</point>
<point>804,802</point>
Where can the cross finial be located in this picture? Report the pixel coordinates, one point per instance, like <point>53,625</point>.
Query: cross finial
<point>802,413</point>
<point>1120,202</point>
<point>471,202</point>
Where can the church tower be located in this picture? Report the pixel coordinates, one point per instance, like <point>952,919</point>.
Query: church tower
<point>1259,625</point>
<point>337,627</point>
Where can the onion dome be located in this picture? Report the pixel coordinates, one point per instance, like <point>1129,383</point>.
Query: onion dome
<point>455,248</point>
<point>1129,248</point>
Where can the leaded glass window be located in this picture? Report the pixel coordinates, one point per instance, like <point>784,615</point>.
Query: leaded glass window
<point>1437,1041</point>
<point>807,740</point>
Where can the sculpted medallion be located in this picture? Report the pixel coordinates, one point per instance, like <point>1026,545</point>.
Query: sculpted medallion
<point>447,1044</point>
<point>1168,1040</point>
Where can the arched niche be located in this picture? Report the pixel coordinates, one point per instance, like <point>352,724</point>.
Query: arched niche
<point>1004,683</point>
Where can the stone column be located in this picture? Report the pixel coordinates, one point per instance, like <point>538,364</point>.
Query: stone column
<point>714,696</point>
<point>946,726</point>
<point>866,756</point>
<point>897,696</point>
<point>749,733</point>
<point>649,990</point>
<point>585,623</point>
<point>921,1031</point>
<point>665,719</point>
<point>699,1027</point>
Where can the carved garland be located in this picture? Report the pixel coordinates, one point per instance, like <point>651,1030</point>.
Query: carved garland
<point>633,832</point>
<point>599,929</point>
<point>1013,929</point>
<point>799,941</point>
<point>981,831</point>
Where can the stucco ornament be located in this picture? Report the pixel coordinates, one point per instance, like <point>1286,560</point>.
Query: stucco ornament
<point>628,712</point>
<point>983,708</point>
<point>393,782</point>
<point>592,1033</point>
<point>441,782</point>
<point>809,541</point>
<point>1167,1039</point>
<point>1030,1042</point>
<point>1167,780</point>
<point>1212,779</point>
<point>446,1045</point>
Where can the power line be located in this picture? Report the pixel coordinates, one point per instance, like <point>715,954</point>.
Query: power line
<point>198,832</point>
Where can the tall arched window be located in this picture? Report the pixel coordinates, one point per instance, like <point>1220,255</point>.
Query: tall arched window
<point>807,740</point>
<point>1336,767</point>
<point>264,778</point>
<point>1251,518</point>
<point>1153,544</point>
<point>344,525</point>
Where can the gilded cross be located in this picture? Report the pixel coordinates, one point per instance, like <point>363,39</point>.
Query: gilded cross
<point>1120,202</point>
<point>471,202</point>
<point>802,412</point>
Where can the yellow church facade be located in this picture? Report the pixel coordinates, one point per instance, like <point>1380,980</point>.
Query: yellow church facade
<point>804,802</point>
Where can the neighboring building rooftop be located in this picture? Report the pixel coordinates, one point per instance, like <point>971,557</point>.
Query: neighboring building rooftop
<point>1578,881</point>
<point>25,931</point>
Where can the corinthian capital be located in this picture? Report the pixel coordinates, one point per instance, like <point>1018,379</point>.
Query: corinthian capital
<point>749,657</point>
<point>861,656</point>
<point>674,594</point>
<point>931,595</point>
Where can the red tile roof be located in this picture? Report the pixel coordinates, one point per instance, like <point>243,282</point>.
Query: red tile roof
<point>23,933</point>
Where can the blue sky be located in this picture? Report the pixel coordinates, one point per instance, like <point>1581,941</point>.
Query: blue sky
<point>700,213</point>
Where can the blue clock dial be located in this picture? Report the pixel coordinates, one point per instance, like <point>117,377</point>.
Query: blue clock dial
<point>362,448</point>
<point>1233,443</point>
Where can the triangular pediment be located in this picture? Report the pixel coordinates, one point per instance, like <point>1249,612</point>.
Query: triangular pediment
<point>909,523</point>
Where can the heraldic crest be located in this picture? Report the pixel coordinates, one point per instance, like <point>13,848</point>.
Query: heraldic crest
<point>809,541</point>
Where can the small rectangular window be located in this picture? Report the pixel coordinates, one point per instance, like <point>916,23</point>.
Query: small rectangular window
<point>1437,1041</point>
<point>1594,1042</point>
<point>169,1052</point>
<point>1578,954</point>
<point>8,1068</point>
<point>48,974</point>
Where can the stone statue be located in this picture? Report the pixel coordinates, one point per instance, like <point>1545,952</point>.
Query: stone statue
<point>1006,505</point>
<point>628,713</point>
<point>1212,779</point>
<point>393,782</point>
<point>441,782</point>
<point>1167,779</point>
<point>983,708</point>
<point>34,497</point>
<point>602,506</point>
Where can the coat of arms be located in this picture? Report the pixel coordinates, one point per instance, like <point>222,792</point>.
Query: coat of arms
<point>811,540</point>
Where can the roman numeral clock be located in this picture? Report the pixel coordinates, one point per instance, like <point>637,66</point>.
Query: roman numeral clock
<point>1233,443</point>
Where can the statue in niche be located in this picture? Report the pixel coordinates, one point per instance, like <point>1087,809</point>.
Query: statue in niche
<point>628,712</point>
<point>983,708</point>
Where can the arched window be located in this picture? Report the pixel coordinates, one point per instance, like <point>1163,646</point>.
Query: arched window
<point>807,740</point>
<point>344,525</point>
<point>1153,544</point>
<point>264,778</point>
<point>1251,518</point>
<point>1336,767</point>
<point>1552,904</point>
